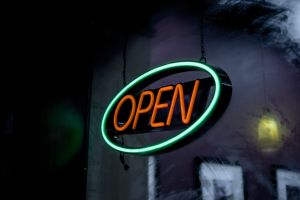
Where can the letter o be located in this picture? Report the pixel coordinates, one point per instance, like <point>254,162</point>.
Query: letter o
<point>133,103</point>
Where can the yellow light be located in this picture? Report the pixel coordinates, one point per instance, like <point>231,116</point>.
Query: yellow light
<point>269,136</point>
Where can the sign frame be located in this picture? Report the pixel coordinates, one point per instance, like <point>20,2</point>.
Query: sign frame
<point>220,79</point>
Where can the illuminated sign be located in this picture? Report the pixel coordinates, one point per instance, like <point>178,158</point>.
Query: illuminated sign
<point>138,110</point>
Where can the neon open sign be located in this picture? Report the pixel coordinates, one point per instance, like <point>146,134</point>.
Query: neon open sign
<point>133,110</point>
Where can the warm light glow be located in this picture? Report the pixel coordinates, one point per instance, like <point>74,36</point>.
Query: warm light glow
<point>269,136</point>
<point>148,75</point>
<point>133,103</point>
<point>159,105</point>
<point>185,118</point>
<point>141,110</point>
<point>268,129</point>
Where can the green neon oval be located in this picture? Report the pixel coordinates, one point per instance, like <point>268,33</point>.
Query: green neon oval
<point>191,129</point>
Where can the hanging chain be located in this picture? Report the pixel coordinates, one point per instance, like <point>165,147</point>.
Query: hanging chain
<point>124,61</point>
<point>263,72</point>
<point>122,156</point>
<point>203,56</point>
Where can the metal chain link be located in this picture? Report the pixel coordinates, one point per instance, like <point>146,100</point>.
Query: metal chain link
<point>122,156</point>
<point>124,61</point>
<point>203,55</point>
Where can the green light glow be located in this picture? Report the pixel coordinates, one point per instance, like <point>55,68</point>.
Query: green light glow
<point>191,129</point>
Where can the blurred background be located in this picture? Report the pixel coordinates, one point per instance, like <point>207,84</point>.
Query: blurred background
<point>62,64</point>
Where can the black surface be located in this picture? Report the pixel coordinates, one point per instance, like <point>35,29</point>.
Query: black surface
<point>45,63</point>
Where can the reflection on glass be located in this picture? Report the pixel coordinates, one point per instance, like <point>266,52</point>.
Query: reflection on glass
<point>221,181</point>
<point>223,189</point>
<point>293,193</point>
<point>288,184</point>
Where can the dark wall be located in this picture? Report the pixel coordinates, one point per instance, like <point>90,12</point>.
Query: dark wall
<point>44,85</point>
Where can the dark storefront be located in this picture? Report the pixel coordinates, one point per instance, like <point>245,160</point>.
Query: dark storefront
<point>53,141</point>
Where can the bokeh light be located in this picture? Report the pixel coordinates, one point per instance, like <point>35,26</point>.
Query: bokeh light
<point>61,136</point>
<point>269,134</point>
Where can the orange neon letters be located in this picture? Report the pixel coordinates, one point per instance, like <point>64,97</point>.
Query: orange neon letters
<point>159,105</point>
<point>185,117</point>
<point>139,109</point>
<point>133,103</point>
